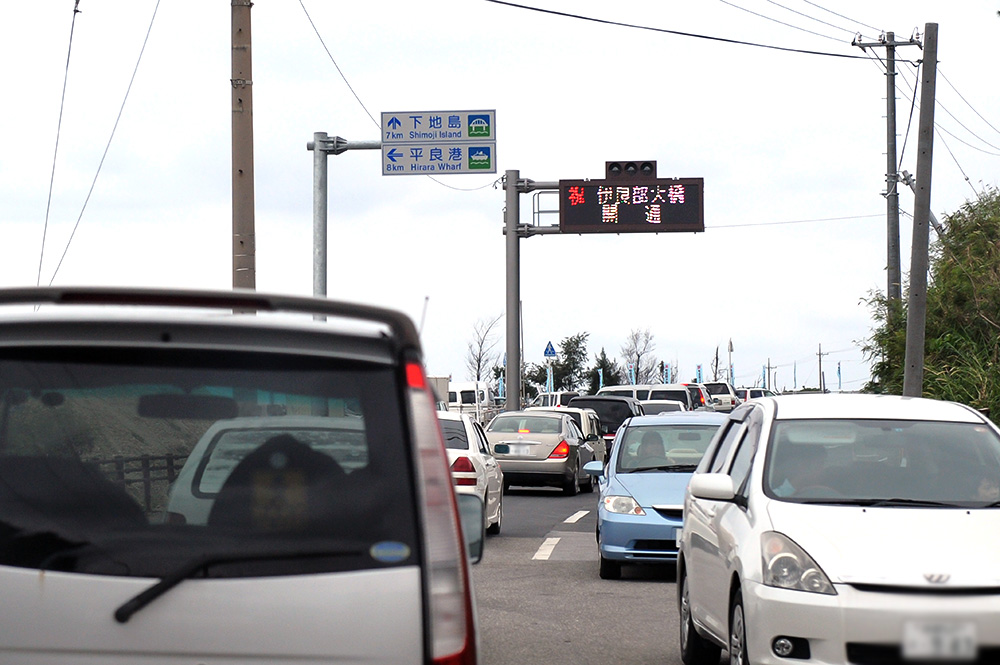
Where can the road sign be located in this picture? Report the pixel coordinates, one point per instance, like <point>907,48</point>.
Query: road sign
<point>550,351</point>
<point>652,205</point>
<point>442,142</point>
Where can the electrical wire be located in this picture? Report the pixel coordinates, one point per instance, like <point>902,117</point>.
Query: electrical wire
<point>813,18</point>
<point>108,146</point>
<point>842,16</point>
<point>52,177</point>
<point>966,101</point>
<point>795,221</point>
<point>768,18</point>
<point>673,32</point>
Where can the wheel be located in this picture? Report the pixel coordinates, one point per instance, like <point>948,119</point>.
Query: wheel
<point>610,569</point>
<point>494,529</point>
<point>506,486</point>
<point>737,632</point>
<point>571,487</point>
<point>695,650</point>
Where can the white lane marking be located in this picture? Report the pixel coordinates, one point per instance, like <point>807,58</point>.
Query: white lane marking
<point>576,517</point>
<point>545,551</point>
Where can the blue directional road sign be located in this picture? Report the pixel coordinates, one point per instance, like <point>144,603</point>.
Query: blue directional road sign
<point>438,142</point>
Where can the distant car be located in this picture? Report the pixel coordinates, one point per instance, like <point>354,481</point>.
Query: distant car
<point>640,510</point>
<point>589,423</point>
<point>701,398</point>
<point>613,410</point>
<point>473,467</point>
<point>541,448</point>
<point>725,393</point>
<point>560,398</point>
<point>792,501</point>
<point>674,391</point>
<point>750,393</point>
<point>653,406</point>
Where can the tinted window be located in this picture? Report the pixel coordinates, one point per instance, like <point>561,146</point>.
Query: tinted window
<point>717,388</point>
<point>611,413</point>
<point>248,452</point>
<point>455,436</point>
<point>725,445</point>
<point>678,395</point>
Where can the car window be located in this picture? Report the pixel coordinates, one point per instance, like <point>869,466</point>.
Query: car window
<point>150,440</point>
<point>455,436</point>
<point>729,437</point>
<point>739,470</point>
<point>482,441</point>
<point>526,424</point>
<point>642,394</point>
<point>678,395</point>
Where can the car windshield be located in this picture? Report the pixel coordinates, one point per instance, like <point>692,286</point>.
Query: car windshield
<point>883,462</point>
<point>117,462</point>
<point>663,447</point>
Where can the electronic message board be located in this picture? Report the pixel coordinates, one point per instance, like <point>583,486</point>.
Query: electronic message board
<point>640,205</point>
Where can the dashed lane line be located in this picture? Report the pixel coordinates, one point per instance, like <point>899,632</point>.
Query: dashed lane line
<point>576,517</point>
<point>545,550</point>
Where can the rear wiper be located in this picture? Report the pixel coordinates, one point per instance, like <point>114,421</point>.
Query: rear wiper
<point>189,568</point>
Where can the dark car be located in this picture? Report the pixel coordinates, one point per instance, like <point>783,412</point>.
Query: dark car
<point>613,410</point>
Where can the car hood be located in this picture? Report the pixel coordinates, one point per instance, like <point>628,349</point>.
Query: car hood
<point>913,547</point>
<point>652,488</point>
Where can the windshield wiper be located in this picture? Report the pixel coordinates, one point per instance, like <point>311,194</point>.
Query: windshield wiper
<point>189,568</point>
<point>665,467</point>
<point>905,502</point>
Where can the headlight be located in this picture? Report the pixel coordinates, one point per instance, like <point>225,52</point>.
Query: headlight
<point>787,566</point>
<point>624,505</point>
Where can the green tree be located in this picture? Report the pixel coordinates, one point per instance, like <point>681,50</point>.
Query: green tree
<point>604,369</point>
<point>569,370</point>
<point>962,347</point>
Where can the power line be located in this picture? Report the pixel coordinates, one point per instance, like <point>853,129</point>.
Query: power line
<point>55,153</point>
<point>673,32</point>
<point>769,18</point>
<point>842,16</point>
<point>108,145</point>
<point>794,221</point>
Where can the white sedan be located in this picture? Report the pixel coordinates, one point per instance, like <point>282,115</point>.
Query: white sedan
<point>474,470</point>
<point>843,529</point>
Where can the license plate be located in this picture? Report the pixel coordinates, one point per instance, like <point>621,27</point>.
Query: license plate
<point>519,449</point>
<point>939,640</point>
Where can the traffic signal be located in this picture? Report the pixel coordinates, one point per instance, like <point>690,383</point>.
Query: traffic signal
<point>646,169</point>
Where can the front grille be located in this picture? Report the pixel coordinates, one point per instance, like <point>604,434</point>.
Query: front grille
<point>892,654</point>
<point>671,513</point>
<point>928,590</point>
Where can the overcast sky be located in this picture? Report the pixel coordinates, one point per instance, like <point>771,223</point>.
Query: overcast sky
<point>790,142</point>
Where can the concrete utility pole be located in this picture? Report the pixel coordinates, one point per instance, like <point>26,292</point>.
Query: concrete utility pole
<point>822,382</point>
<point>244,247</point>
<point>913,371</point>
<point>894,278</point>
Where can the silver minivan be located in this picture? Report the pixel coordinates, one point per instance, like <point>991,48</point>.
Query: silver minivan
<point>220,477</point>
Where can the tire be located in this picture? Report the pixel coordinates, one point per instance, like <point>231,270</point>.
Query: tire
<point>571,487</point>
<point>695,650</point>
<point>494,529</point>
<point>737,632</point>
<point>506,486</point>
<point>610,569</point>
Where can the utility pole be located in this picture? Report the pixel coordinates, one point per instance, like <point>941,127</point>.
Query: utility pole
<point>913,370</point>
<point>244,247</point>
<point>822,383</point>
<point>894,279</point>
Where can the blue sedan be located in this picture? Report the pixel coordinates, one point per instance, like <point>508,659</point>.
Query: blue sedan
<point>640,511</point>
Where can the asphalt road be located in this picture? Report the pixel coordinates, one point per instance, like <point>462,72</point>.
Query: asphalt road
<point>540,598</point>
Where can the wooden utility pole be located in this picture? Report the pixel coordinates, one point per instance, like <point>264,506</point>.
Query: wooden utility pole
<point>916,316</point>
<point>244,248</point>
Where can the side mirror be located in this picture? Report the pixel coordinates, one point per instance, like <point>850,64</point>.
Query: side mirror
<point>712,486</point>
<point>473,515</point>
<point>593,437</point>
<point>595,468</point>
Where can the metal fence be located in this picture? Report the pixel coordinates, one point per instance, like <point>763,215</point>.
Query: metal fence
<point>146,478</point>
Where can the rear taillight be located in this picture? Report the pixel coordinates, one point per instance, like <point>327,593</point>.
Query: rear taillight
<point>451,625</point>
<point>463,465</point>
<point>561,451</point>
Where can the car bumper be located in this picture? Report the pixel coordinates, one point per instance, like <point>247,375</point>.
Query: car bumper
<point>867,627</point>
<point>649,538</point>
<point>536,472</point>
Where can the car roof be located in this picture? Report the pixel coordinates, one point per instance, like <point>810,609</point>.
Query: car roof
<point>554,413</point>
<point>562,409</point>
<point>603,398</point>
<point>452,415</point>
<point>679,418</point>
<point>867,407</point>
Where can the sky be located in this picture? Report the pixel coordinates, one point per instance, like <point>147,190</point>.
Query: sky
<point>115,161</point>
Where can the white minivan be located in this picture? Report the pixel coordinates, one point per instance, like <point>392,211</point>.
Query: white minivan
<point>196,477</point>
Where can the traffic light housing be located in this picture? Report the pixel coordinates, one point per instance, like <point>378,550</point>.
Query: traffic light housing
<point>628,170</point>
